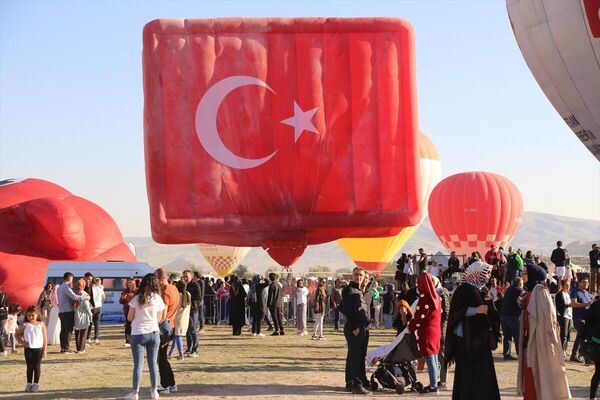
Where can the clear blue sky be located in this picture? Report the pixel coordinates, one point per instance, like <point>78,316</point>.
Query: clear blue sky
<point>71,97</point>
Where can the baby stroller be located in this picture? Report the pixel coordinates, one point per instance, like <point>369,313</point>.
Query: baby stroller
<point>396,370</point>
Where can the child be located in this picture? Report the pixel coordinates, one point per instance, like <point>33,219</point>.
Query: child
<point>14,310</point>
<point>32,335</point>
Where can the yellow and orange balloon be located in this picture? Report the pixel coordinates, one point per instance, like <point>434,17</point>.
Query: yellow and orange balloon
<point>374,254</point>
<point>223,259</point>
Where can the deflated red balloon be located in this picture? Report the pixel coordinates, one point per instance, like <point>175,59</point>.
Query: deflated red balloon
<point>41,222</point>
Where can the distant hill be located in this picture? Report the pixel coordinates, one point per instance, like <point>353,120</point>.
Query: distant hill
<point>538,232</point>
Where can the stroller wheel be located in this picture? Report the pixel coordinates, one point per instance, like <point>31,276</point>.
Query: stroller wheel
<point>400,388</point>
<point>374,385</point>
<point>417,386</point>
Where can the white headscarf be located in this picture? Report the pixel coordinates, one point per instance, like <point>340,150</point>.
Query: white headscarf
<point>476,274</point>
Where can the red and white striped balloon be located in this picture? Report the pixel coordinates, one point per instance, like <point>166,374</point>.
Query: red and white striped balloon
<point>471,211</point>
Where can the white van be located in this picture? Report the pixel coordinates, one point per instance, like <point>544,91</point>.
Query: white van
<point>114,275</point>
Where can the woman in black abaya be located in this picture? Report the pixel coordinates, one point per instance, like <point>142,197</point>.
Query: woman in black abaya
<point>237,313</point>
<point>472,315</point>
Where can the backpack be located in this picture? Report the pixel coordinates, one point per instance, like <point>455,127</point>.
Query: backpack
<point>512,263</point>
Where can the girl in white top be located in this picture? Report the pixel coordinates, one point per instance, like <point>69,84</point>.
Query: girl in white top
<point>301,302</point>
<point>32,336</point>
<point>146,311</point>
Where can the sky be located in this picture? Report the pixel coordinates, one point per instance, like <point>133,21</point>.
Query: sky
<point>71,100</point>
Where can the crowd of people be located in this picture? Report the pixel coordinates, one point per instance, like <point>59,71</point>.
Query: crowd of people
<point>500,298</point>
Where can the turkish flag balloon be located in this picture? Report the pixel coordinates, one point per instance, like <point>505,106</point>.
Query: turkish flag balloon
<point>223,259</point>
<point>279,132</point>
<point>374,254</point>
<point>560,41</point>
<point>471,211</point>
<point>42,222</point>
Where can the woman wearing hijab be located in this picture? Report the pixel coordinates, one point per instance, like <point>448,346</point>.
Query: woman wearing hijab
<point>258,307</point>
<point>541,363</point>
<point>427,325</point>
<point>468,337</point>
<point>83,316</point>
<point>237,313</point>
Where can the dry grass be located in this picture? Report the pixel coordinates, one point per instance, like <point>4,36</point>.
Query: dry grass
<point>228,367</point>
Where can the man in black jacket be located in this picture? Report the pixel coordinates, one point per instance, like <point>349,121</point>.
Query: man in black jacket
<point>200,280</point>
<point>89,278</point>
<point>356,332</point>
<point>195,292</point>
<point>275,304</point>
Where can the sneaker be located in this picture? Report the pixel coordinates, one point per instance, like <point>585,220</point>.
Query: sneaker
<point>254,334</point>
<point>97,341</point>
<point>281,333</point>
<point>82,351</point>
<point>89,340</point>
<point>315,337</point>
<point>180,357</point>
<point>4,353</point>
<point>260,334</point>
<point>162,390</point>
<point>66,351</point>
<point>154,394</point>
<point>35,387</point>
<point>509,358</point>
<point>322,338</point>
<point>14,352</point>
<point>304,333</point>
<point>194,354</point>
<point>127,345</point>
<point>275,333</point>
<point>28,387</point>
<point>429,390</point>
<point>359,389</point>
<point>173,389</point>
<point>575,360</point>
<point>131,396</point>
<point>441,385</point>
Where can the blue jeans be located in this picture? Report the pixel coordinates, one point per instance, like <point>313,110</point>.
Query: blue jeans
<point>177,342</point>
<point>192,336</point>
<point>387,321</point>
<point>510,328</point>
<point>432,369</point>
<point>149,341</point>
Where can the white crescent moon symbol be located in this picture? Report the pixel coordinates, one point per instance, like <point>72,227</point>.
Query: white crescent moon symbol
<point>206,122</point>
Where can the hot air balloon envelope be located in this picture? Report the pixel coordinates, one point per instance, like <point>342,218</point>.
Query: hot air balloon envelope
<point>279,131</point>
<point>42,222</point>
<point>471,211</point>
<point>560,41</point>
<point>223,259</point>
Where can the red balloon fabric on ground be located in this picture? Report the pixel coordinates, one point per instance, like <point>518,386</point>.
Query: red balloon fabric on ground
<point>471,211</point>
<point>280,132</point>
<point>42,222</point>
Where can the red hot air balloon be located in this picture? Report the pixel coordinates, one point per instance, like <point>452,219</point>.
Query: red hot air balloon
<point>42,222</point>
<point>280,133</point>
<point>471,211</point>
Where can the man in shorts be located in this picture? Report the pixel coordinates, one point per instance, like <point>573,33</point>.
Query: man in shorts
<point>559,258</point>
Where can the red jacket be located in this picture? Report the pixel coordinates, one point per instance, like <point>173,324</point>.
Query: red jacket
<point>427,322</point>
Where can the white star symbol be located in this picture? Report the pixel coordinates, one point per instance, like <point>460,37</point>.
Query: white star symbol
<point>301,121</point>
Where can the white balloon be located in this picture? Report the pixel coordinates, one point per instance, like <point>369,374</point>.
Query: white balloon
<point>560,41</point>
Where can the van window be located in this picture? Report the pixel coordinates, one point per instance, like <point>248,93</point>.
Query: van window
<point>118,284</point>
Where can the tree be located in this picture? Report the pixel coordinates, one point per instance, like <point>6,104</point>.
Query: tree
<point>319,269</point>
<point>242,271</point>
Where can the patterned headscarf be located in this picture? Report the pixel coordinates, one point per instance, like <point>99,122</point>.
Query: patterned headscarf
<point>476,274</point>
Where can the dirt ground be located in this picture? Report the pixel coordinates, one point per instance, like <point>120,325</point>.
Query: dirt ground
<point>244,367</point>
